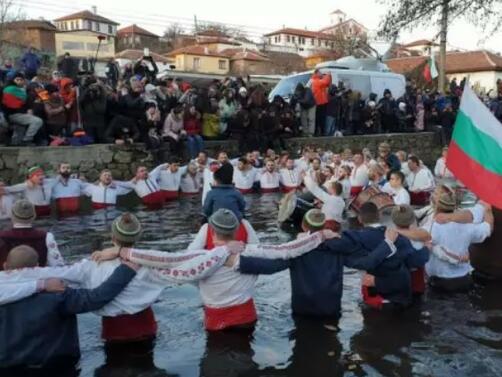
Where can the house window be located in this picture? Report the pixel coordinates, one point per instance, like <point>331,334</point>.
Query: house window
<point>89,25</point>
<point>312,42</point>
<point>270,41</point>
<point>196,64</point>
<point>332,45</point>
<point>137,39</point>
<point>325,43</point>
<point>72,25</point>
<point>294,39</point>
<point>110,29</point>
<point>288,38</point>
<point>222,64</point>
<point>96,26</point>
<point>319,42</point>
<point>67,45</point>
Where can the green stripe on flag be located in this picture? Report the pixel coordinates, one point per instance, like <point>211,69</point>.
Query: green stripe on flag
<point>477,145</point>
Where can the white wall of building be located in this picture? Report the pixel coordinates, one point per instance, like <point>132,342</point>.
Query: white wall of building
<point>481,81</point>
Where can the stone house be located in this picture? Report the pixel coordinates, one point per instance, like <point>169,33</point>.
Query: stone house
<point>31,33</point>
<point>134,37</point>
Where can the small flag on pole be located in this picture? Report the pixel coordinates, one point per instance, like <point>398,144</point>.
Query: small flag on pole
<point>430,69</point>
<point>475,152</point>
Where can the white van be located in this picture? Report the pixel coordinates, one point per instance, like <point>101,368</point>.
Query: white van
<point>364,81</point>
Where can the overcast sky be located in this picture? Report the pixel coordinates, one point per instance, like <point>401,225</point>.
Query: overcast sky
<point>256,17</point>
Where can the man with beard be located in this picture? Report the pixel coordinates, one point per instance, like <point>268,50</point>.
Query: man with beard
<point>269,178</point>
<point>244,176</point>
<point>147,187</point>
<point>67,190</point>
<point>104,193</point>
<point>290,176</point>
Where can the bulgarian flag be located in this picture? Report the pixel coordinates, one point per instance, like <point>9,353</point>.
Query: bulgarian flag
<point>475,152</point>
<point>430,69</point>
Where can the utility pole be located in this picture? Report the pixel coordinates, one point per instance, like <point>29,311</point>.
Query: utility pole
<point>442,45</point>
<point>196,25</point>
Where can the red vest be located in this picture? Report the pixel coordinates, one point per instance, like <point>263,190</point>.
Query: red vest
<point>241,235</point>
<point>35,238</point>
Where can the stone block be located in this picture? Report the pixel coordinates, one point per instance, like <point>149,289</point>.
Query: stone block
<point>86,165</point>
<point>123,157</point>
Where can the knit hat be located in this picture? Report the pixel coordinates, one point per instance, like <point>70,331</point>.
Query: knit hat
<point>403,216</point>
<point>224,174</point>
<point>23,212</point>
<point>12,75</point>
<point>35,170</point>
<point>126,228</point>
<point>315,218</point>
<point>447,202</point>
<point>224,221</point>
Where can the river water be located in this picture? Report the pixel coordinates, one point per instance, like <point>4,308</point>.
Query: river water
<point>445,335</point>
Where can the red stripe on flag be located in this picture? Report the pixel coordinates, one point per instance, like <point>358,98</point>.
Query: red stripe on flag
<point>485,184</point>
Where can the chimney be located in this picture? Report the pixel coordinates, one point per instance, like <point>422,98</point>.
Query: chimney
<point>94,9</point>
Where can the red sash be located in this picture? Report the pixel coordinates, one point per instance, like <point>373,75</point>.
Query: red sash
<point>332,225</point>
<point>269,190</point>
<point>169,195</point>
<point>286,189</point>
<point>222,318</point>
<point>43,211</point>
<point>418,281</point>
<point>245,191</point>
<point>355,190</point>
<point>374,301</point>
<point>68,205</point>
<point>420,198</point>
<point>153,199</point>
<point>190,193</point>
<point>241,235</point>
<point>101,205</point>
<point>129,327</point>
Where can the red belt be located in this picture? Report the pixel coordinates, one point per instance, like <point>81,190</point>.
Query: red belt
<point>221,318</point>
<point>130,327</point>
<point>169,194</point>
<point>375,301</point>
<point>190,193</point>
<point>42,211</point>
<point>286,189</point>
<point>355,190</point>
<point>68,204</point>
<point>332,225</point>
<point>245,191</point>
<point>418,280</point>
<point>420,198</point>
<point>154,198</point>
<point>269,190</point>
<point>101,205</point>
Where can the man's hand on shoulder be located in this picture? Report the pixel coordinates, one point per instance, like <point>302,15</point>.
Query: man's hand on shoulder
<point>51,285</point>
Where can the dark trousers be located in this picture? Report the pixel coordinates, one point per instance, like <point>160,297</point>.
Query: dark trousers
<point>461,284</point>
<point>320,119</point>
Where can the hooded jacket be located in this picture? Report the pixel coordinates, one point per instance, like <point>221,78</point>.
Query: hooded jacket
<point>320,85</point>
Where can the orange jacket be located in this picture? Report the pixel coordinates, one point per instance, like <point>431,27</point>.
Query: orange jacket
<point>320,87</point>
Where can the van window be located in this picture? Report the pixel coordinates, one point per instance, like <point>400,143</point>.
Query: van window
<point>286,86</point>
<point>356,83</point>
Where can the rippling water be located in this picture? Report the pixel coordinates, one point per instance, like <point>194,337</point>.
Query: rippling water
<point>456,335</point>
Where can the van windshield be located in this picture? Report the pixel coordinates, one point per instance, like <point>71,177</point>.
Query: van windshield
<point>286,86</point>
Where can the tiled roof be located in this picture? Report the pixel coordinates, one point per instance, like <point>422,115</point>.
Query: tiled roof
<point>420,42</point>
<point>87,15</point>
<point>221,40</point>
<point>30,24</point>
<point>137,54</point>
<point>249,55</point>
<point>196,50</point>
<point>301,33</point>
<point>135,29</point>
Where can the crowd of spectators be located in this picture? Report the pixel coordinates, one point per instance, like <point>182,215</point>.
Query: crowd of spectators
<point>133,105</point>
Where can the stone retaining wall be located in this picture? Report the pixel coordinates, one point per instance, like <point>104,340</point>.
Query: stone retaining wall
<point>123,160</point>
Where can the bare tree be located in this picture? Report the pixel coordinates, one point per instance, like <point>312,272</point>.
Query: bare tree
<point>345,44</point>
<point>221,29</point>
<point>173,31</point>
<point>409,14</point>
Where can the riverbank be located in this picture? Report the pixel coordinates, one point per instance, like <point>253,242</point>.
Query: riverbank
<point>123,160</point>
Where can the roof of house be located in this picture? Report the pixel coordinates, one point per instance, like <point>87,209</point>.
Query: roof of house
<point>221,40</point>
<point>337,26</point>
<point>87,15</point>
<point>30,24</point>
<point>135,29</point>
<point>211,33</point>
<point>420,42</point>
<point>196,50</point>
<point>301,33</point>
<point>138,54</point>
<point>456,62</point>
<point>247,55</point>
<point>337,11</point>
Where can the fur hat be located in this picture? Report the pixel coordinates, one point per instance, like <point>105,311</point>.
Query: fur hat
<point>224,221</point>
<point>447,202</point>
<point>403,216</point>
<point>315,218</point>
<point>23,212</point>
<point>126,228</point>
<point>224,174</point>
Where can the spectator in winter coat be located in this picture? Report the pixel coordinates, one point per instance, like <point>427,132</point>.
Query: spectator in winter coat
<point>303,101</point>
<point>193,128</point>
<point>173,130</point>
<point>55,113</point>
<point>112,72</point>
<point>332,112</point>
<point>387,109</point>
<point>320,84</point>
<point>122,130</point>
<point>31,63</point>
<point>68,66</point>
<point>93,108</point>
<point>69,95</point>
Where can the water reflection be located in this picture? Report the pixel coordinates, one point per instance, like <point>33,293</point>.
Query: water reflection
<point>447,335</point>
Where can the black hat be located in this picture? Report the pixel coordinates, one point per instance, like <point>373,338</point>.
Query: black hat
<point>224,174</point>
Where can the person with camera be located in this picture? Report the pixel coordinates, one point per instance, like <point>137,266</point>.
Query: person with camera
<point>93,108</point>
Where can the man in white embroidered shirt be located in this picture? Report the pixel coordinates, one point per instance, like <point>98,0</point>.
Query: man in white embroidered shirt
<point>420,182</point>
<point>359,175</point>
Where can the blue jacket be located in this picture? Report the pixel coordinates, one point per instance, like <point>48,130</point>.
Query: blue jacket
<point>392,276</point>
<point>31,62</point>
<point>42,329</point>
<point>224,196</point>
<point>317,277</point>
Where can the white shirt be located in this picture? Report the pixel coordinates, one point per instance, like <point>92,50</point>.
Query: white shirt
<point>400,196</point>
<point>441,171</point>
<point>456,239</point>
<point>144,187</point>
<point>346,188</point>
<point>208,182</point>
<point>245,179</point>
<point>336,170</point>
<point>6,203</point>
<point>359,176</point>
<point>302,164</point>
<point>290,177</point>
<point>72,188</point>
<point>54,257</point>
<point>38,195</point>
<point>422,180</point>
<point>170,181</point>
<point>102,194</point>
<point>333,206</point>
<point>269,180</point>
<point>405,169</point>
<point>191,184</point>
